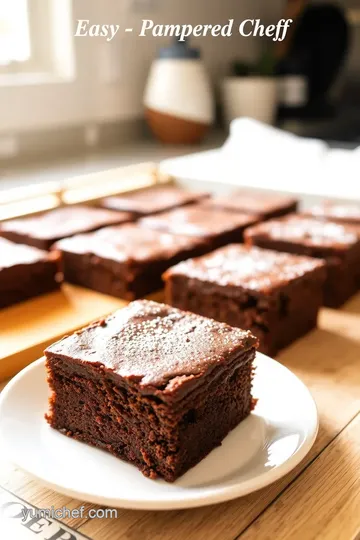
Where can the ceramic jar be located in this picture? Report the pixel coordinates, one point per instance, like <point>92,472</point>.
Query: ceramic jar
<point>178,99</point>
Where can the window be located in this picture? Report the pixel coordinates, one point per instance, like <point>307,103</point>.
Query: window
<point>14,32</point>
<point>25,41</point>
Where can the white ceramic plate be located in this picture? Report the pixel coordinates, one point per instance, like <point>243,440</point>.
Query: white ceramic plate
<point>263,448</point>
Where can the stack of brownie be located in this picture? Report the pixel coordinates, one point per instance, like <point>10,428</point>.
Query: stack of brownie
<point>126,262</point>
<point>292,263</point>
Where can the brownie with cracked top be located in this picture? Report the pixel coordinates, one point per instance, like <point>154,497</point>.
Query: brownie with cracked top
<point>338,244</point>
<point>275,295</point>
<point>125,261</point>
<point>43,230</point>
<point>153,385</point>
<point>25,272</point>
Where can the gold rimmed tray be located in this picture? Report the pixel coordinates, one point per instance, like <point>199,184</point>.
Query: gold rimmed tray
<point>27,328</point>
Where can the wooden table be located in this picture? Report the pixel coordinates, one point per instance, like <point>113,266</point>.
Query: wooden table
<point>319,499</point>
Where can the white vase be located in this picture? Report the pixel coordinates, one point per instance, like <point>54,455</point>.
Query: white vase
<point>178,100</point>
<point>253,97</point>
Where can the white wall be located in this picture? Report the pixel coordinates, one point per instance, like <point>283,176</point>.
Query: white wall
<point>91,96</point>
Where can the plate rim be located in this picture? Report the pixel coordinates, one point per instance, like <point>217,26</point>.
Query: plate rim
<point>219,495</point>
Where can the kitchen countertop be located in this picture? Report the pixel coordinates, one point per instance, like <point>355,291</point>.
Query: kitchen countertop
<point>136,152</point>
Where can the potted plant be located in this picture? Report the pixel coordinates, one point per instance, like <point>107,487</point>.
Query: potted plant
<point>251,90</point>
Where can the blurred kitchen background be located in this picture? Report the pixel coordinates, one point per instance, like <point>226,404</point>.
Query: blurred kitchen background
<point>70,105</point>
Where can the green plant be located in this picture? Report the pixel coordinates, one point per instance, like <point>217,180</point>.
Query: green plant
<point>240,69</point>
<point>266,64</point>
<point>264,67</point>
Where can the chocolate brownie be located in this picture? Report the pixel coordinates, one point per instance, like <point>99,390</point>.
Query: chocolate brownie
<point>262,205</point>
<point>125,261</point>
<point>25,272</point>
<point>275,295</point>
<point>153,200</point>
<point>338,245</point>
<point>217,227</point>
<point>332,211</point>
<point>43,230</point>
<point>153,385</point>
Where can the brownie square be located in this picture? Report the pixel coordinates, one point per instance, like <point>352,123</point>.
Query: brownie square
<point>124,261</point>
<point>25,272</point>
<point>153,200</point>
<point>262,205</point>
<point>338,245</point>
<point>276,296</point>
<point>332,211</point>
<point>218,227</point>
<point>43,230</point>
<point>153,385</point>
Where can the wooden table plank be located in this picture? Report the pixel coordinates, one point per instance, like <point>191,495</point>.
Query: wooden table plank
<point>26,329</point>
<point>324,502</point>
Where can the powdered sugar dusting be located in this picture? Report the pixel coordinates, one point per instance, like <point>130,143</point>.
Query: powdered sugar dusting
<point>153,343</point>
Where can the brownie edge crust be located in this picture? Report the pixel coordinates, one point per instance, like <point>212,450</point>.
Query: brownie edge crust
<point>153,385</point>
